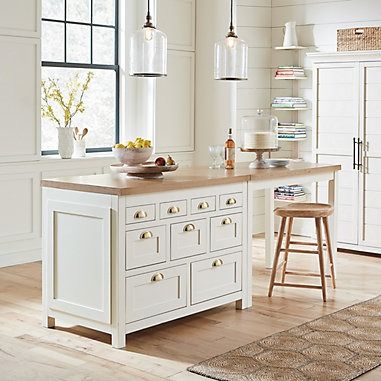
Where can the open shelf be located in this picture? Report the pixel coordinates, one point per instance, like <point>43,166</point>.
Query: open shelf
<point>292,140</point>
<point>290,109</point>
<point>290,78</point>
<point>290,47</point>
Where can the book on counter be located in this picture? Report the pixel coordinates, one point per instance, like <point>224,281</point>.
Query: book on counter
<point>290,193</point>
<point>288,102</point>
<point>284,72</point>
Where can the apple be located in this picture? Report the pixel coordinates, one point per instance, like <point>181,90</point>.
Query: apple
<point>160,162</point>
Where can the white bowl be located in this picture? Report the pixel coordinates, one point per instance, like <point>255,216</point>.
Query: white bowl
<point>132,156</point>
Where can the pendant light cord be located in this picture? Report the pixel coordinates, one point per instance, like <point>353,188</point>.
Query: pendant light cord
<point>148,23</point>
<point>148,10</point>
<point>231,16</point>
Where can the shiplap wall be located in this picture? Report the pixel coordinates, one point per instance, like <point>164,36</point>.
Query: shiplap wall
<point>254,26</point>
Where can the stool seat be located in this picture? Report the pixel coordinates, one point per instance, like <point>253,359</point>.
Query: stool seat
<point>304,210</point>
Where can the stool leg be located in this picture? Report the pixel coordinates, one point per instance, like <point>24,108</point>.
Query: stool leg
<point>288,239</point>
<point>277,254</point>
<point>329,250</point>
<point>321,256</point>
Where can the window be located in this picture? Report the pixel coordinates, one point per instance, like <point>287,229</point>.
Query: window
<point>79,36</point>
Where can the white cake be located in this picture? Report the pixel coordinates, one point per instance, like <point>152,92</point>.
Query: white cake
<point>260,140</point>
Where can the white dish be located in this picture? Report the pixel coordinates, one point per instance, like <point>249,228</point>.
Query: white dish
<point>278,162</point>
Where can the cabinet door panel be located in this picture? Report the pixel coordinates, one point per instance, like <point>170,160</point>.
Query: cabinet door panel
<point>349,188</point>
<point>174,130</point>
<point>19,99</point>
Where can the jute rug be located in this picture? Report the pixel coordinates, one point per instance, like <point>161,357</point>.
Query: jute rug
<point>340,346</point>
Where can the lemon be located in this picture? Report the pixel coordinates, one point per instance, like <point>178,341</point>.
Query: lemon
<point>119,145</point>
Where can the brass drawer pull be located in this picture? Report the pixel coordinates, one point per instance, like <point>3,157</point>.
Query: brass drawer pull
<point>173,210</point>
<point>189,228</point>
<point>203,205</point>
<point>231,201</point>
<point>226,221</point>
<point>146,235</point>
<point>218,263</point>
<point>157,277</point>
<point>140,214</point>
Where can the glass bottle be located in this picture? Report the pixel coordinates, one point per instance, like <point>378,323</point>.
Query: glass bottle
<point>230,151</point>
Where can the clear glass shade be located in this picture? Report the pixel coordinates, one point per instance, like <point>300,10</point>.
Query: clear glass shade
<point>230,61</point>
<point>148,53</point>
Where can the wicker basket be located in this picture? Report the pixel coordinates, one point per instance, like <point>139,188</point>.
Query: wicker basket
<point>359,39</point>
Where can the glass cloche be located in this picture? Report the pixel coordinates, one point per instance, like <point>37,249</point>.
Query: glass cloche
<point>259,132</point>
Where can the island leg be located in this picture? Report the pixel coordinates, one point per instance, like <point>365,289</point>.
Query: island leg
<point>269,227</point>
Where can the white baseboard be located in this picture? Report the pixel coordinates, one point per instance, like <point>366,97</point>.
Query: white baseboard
<point>17,258</point>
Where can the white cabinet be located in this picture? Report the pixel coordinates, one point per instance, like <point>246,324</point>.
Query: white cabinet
<point>19,99</point>
<point>347,117</point>
<point>20,18</point>
<point>226,231</point>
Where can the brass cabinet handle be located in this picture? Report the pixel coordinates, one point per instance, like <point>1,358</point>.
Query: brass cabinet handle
<point>146,235</point>
<point>203,205</point>
<point>140,214</point>
<point>157,277</point>
<point>173,210</point>
<point>226,221</point>
<point>189,228</point>
<point>218,263</point>
<point>231,201</point>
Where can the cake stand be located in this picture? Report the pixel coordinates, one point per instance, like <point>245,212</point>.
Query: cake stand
<point>259,162</point>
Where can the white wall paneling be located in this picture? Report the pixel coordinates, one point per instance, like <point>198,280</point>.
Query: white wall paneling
<point>19,99</point>
<point>20,18</point>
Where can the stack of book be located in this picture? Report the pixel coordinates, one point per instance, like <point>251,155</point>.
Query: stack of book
<point>290,193</point>
<point>292,131</point>
<point>290,72</point>
<point>289,102</point>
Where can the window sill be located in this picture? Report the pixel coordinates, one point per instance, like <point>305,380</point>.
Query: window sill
<point>89,156</point>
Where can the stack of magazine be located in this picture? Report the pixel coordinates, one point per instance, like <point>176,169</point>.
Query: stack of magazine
<point>290,193</point>
<point>286,72</point>
<point>288,102</point>
<point>292,131</point>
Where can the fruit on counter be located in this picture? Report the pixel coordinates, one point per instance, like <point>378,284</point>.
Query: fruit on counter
<point>170,161</point>
<point>138,143</point>
<point>160,162</point>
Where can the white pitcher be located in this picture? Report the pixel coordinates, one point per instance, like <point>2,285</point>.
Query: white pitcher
<point>290,36</point>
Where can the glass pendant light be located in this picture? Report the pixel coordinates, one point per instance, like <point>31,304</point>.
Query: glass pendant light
<point>230,56</point>
<point>148,51</point>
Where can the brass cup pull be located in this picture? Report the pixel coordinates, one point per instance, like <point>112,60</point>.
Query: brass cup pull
<point>140,214</point>
<point>203,205</point>
<point>231,201</point>
<point>189,228</point>
<point>173,210</point>
<point>157,277</point>
<point>226,221</point>
<point>146,235</point>
<point>217,263</point>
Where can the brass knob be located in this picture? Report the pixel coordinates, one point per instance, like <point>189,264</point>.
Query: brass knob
<point>157,277</point>
<point>140,214</point>
<point>189,228</point>
<point>226,221</point>
<point>173,210</point>
<point>203,205</point>
<point>146,235</point>
<point>231,201</point>
<point>217,263</point>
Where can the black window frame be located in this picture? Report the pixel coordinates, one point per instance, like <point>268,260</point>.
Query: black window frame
<point>114,67</point>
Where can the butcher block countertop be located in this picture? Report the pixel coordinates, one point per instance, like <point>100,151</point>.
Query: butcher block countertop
<point>120,185</point>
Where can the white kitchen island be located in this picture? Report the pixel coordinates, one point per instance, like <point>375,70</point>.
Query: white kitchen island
<point>120,255</point>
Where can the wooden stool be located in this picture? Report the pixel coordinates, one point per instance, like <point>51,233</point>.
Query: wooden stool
<point>303,210</point>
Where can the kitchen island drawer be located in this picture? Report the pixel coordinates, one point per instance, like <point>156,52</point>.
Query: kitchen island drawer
<point>142,213</point>
<point>155,293</point>
<point>203,204</point>
<point>145,247</point>
<point>173,209</point>
<point>215,277</point>
<point>188,239</point>
<point>231,200</point>
<point>226,231</point>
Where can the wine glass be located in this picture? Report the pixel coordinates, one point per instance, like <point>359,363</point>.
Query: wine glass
<point>214,153</point>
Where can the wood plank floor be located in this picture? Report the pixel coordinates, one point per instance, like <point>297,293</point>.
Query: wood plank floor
<point>30,352</point>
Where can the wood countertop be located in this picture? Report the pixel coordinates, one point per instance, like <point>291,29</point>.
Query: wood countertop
<point>120,185</point>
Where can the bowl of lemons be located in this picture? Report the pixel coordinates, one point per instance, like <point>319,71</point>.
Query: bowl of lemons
<point>134,152</point>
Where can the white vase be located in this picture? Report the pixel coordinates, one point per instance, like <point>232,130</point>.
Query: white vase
<point>290,36</point>
<point>65,142</point>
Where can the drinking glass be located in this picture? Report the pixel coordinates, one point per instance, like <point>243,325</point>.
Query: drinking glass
<point>214,154</point>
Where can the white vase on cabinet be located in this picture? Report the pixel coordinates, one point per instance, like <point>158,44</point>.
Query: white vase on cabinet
<point>65,142</point>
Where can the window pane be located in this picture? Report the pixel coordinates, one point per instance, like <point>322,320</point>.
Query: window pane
<point>78,10</point>
<point>52,41</point>
<point>53,9</point>
<point>78,43</point>
<point>99,103</point>
<point>103,45</point>
<point>104,12</point>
